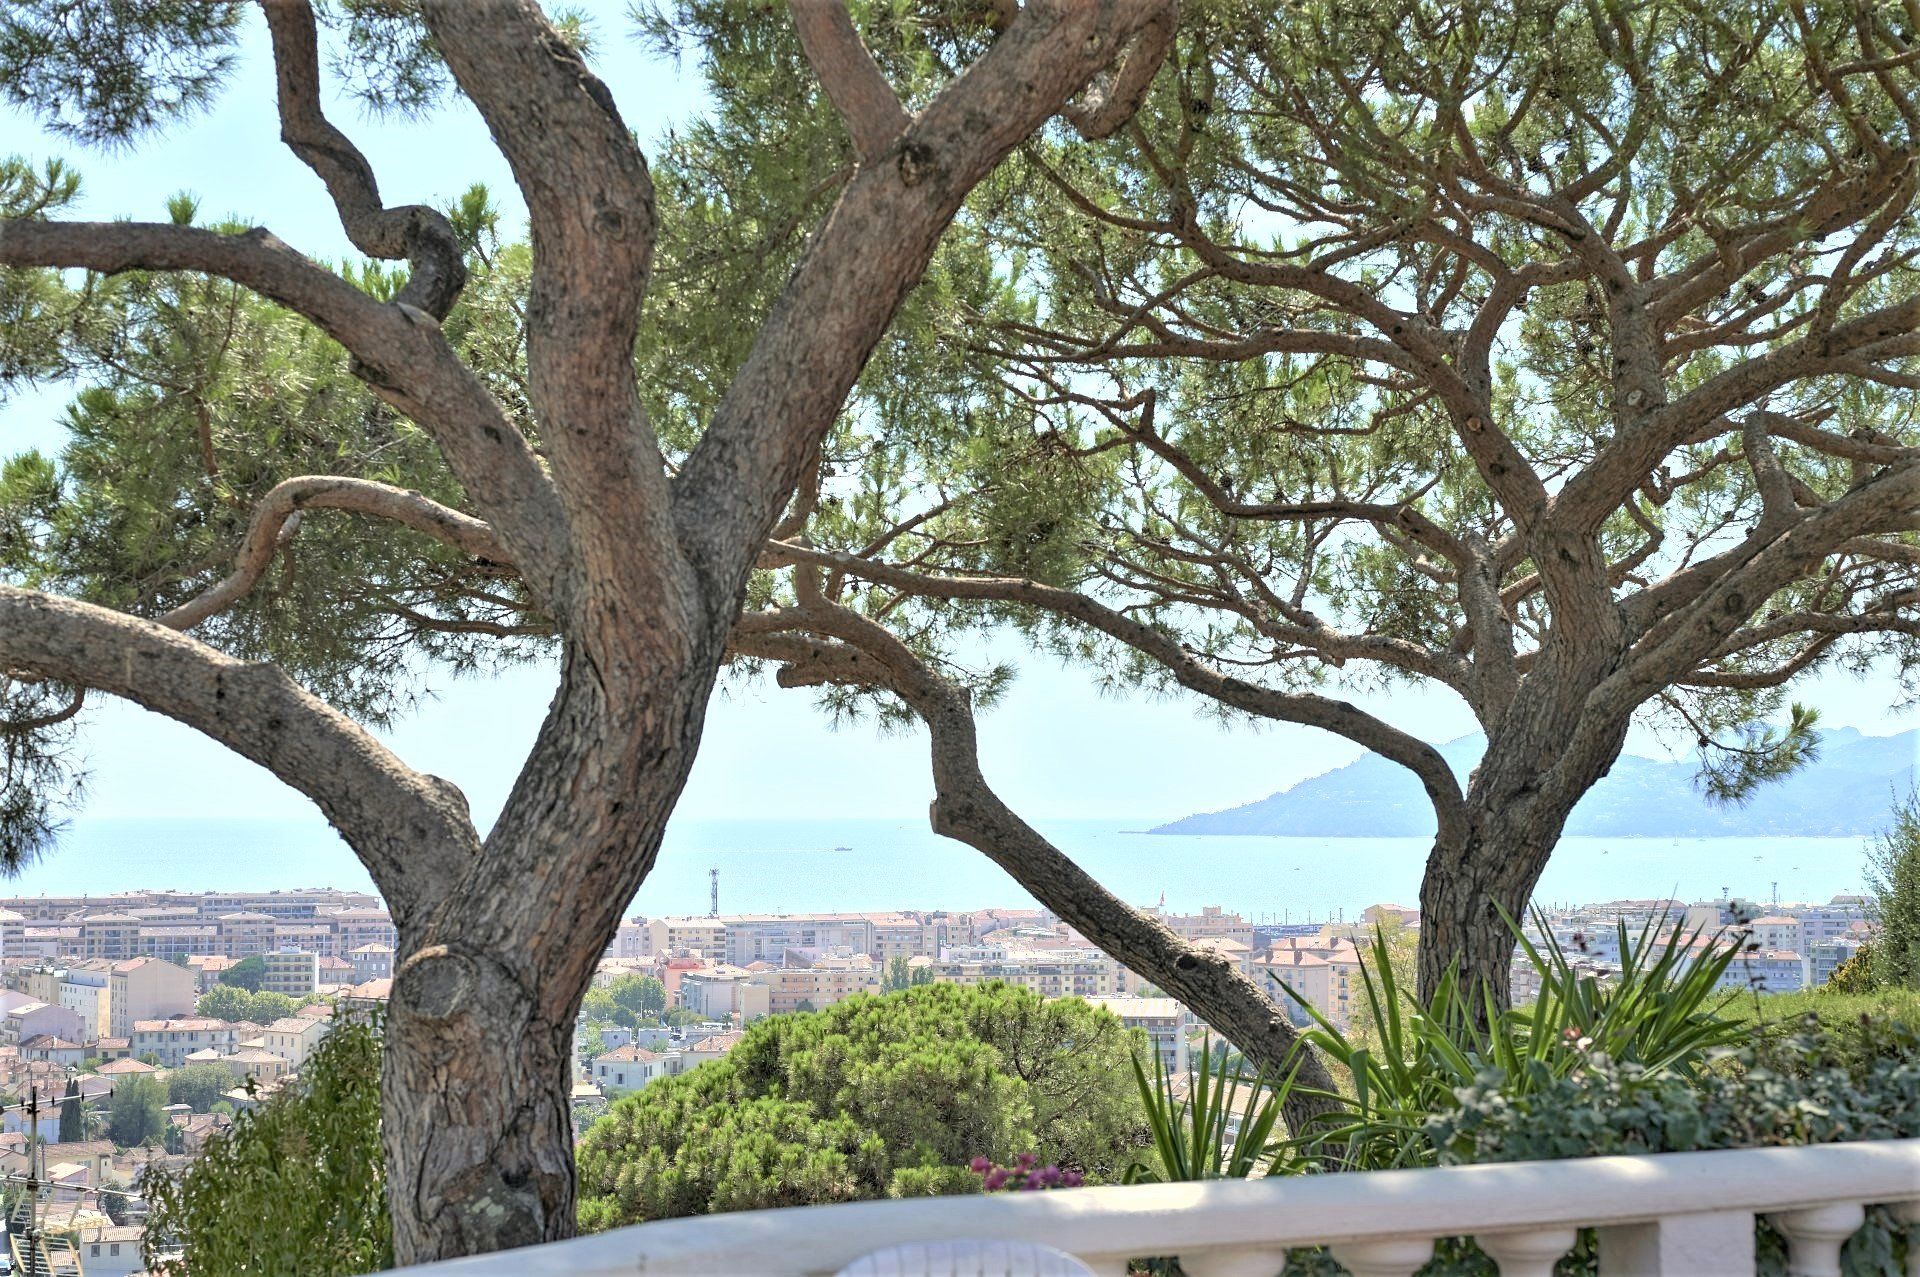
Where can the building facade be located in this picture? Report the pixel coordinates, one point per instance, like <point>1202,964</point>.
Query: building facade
<point>148,989</point>
<point>293,972</point>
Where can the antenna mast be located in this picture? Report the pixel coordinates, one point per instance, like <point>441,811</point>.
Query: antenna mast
<point>36,1161</point>
<point>713,883</point>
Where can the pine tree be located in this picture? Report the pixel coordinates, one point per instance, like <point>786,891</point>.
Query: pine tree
<point>1894,879</point>
<point>577,495</point>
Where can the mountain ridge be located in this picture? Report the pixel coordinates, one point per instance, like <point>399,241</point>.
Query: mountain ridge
<point>1846,792</point>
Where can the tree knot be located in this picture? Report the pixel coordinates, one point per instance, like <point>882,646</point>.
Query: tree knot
<point>438,982</point>
<point>916,161</point>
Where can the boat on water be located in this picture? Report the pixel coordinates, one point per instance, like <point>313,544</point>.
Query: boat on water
<point>843,849</point>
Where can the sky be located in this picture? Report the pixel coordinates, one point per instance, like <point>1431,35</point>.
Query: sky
<point>1056,747</point>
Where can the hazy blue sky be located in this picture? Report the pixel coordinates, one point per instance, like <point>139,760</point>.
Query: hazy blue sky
<point>1056,748</point>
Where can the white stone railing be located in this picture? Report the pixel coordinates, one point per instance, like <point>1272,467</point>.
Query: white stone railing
<point>1670,1215</point>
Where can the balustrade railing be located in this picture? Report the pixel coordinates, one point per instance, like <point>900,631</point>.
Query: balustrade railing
<point>1668,1215</point>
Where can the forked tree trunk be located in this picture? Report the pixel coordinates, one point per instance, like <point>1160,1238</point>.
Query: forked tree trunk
<point>477,1076</point>
<point>1517,807</point>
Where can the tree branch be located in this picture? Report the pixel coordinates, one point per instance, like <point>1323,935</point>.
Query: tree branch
<point>420,235</point>
<point>283,503</point>
<point>1692,633</point>
<point>849,76</point>
<point>1110,106</point>
<point>411,830</point>
<point>398,351</point>
<point>837,645</point>
<point>861,263</point>
<point>1326,713</point>
<point>591,215</point>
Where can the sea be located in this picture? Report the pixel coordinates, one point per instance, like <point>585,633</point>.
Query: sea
<point>786,866</point>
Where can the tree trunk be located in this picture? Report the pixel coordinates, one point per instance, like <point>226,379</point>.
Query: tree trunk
<point>1461,930</point>
<point>1517,805</point>
<point>476,1118</point>
<point>1210,985</point>
<point>478,1079</point>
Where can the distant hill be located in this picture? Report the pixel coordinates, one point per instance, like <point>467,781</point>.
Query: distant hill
<point>1847,792</point>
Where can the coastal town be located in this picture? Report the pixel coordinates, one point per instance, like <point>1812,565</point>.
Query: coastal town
<point>205,1004</point>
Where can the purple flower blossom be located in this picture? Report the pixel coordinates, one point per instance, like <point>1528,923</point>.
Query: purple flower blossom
<point>1025,1175</point>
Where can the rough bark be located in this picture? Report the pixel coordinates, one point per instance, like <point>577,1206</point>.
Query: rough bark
<point>488,984</point>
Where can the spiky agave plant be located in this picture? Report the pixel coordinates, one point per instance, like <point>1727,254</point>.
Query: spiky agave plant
<point>1660,1013</point>
<point>1195,1138</point>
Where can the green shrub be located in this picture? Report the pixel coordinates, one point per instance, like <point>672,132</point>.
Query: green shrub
<point>1893,876</point>
<point>1807,1088</point>
<point>873,1097</point>
<point>1837,1011</point>
<point>308,1160</point>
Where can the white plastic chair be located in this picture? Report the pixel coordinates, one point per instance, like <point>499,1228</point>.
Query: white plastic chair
<point>967,1259</point>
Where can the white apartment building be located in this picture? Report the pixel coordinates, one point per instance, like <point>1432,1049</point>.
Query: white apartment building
<point>291,971</point>
<point>630,1067</point>
<point>1823,957</point>
<point>371,962</point>
<point>725,992</point>
<point>1777,931</point>
<point>1051,973</point>
<point>294,1038</point>
<point>1165,1023</point>
<point>1833,920</point>
<point>1767,971</point>
<point>172,1041</point>
<point>629,940</point>
<point>900,935</point>
<point>671,937</point>
<point>83,988</point>
<point>829,980</point>
<point>148,989</point>
<point>33,1019</point>
<point>768,937</point>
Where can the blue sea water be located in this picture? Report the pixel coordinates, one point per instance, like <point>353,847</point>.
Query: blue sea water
<point>769,866</point>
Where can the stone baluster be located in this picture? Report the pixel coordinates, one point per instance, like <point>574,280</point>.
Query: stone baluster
<point>1815,1236</point>
<point>1718,1242</point>
<point>1237,1261</point>
<point>1384,1258</point>
<point>1528,1252</point>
